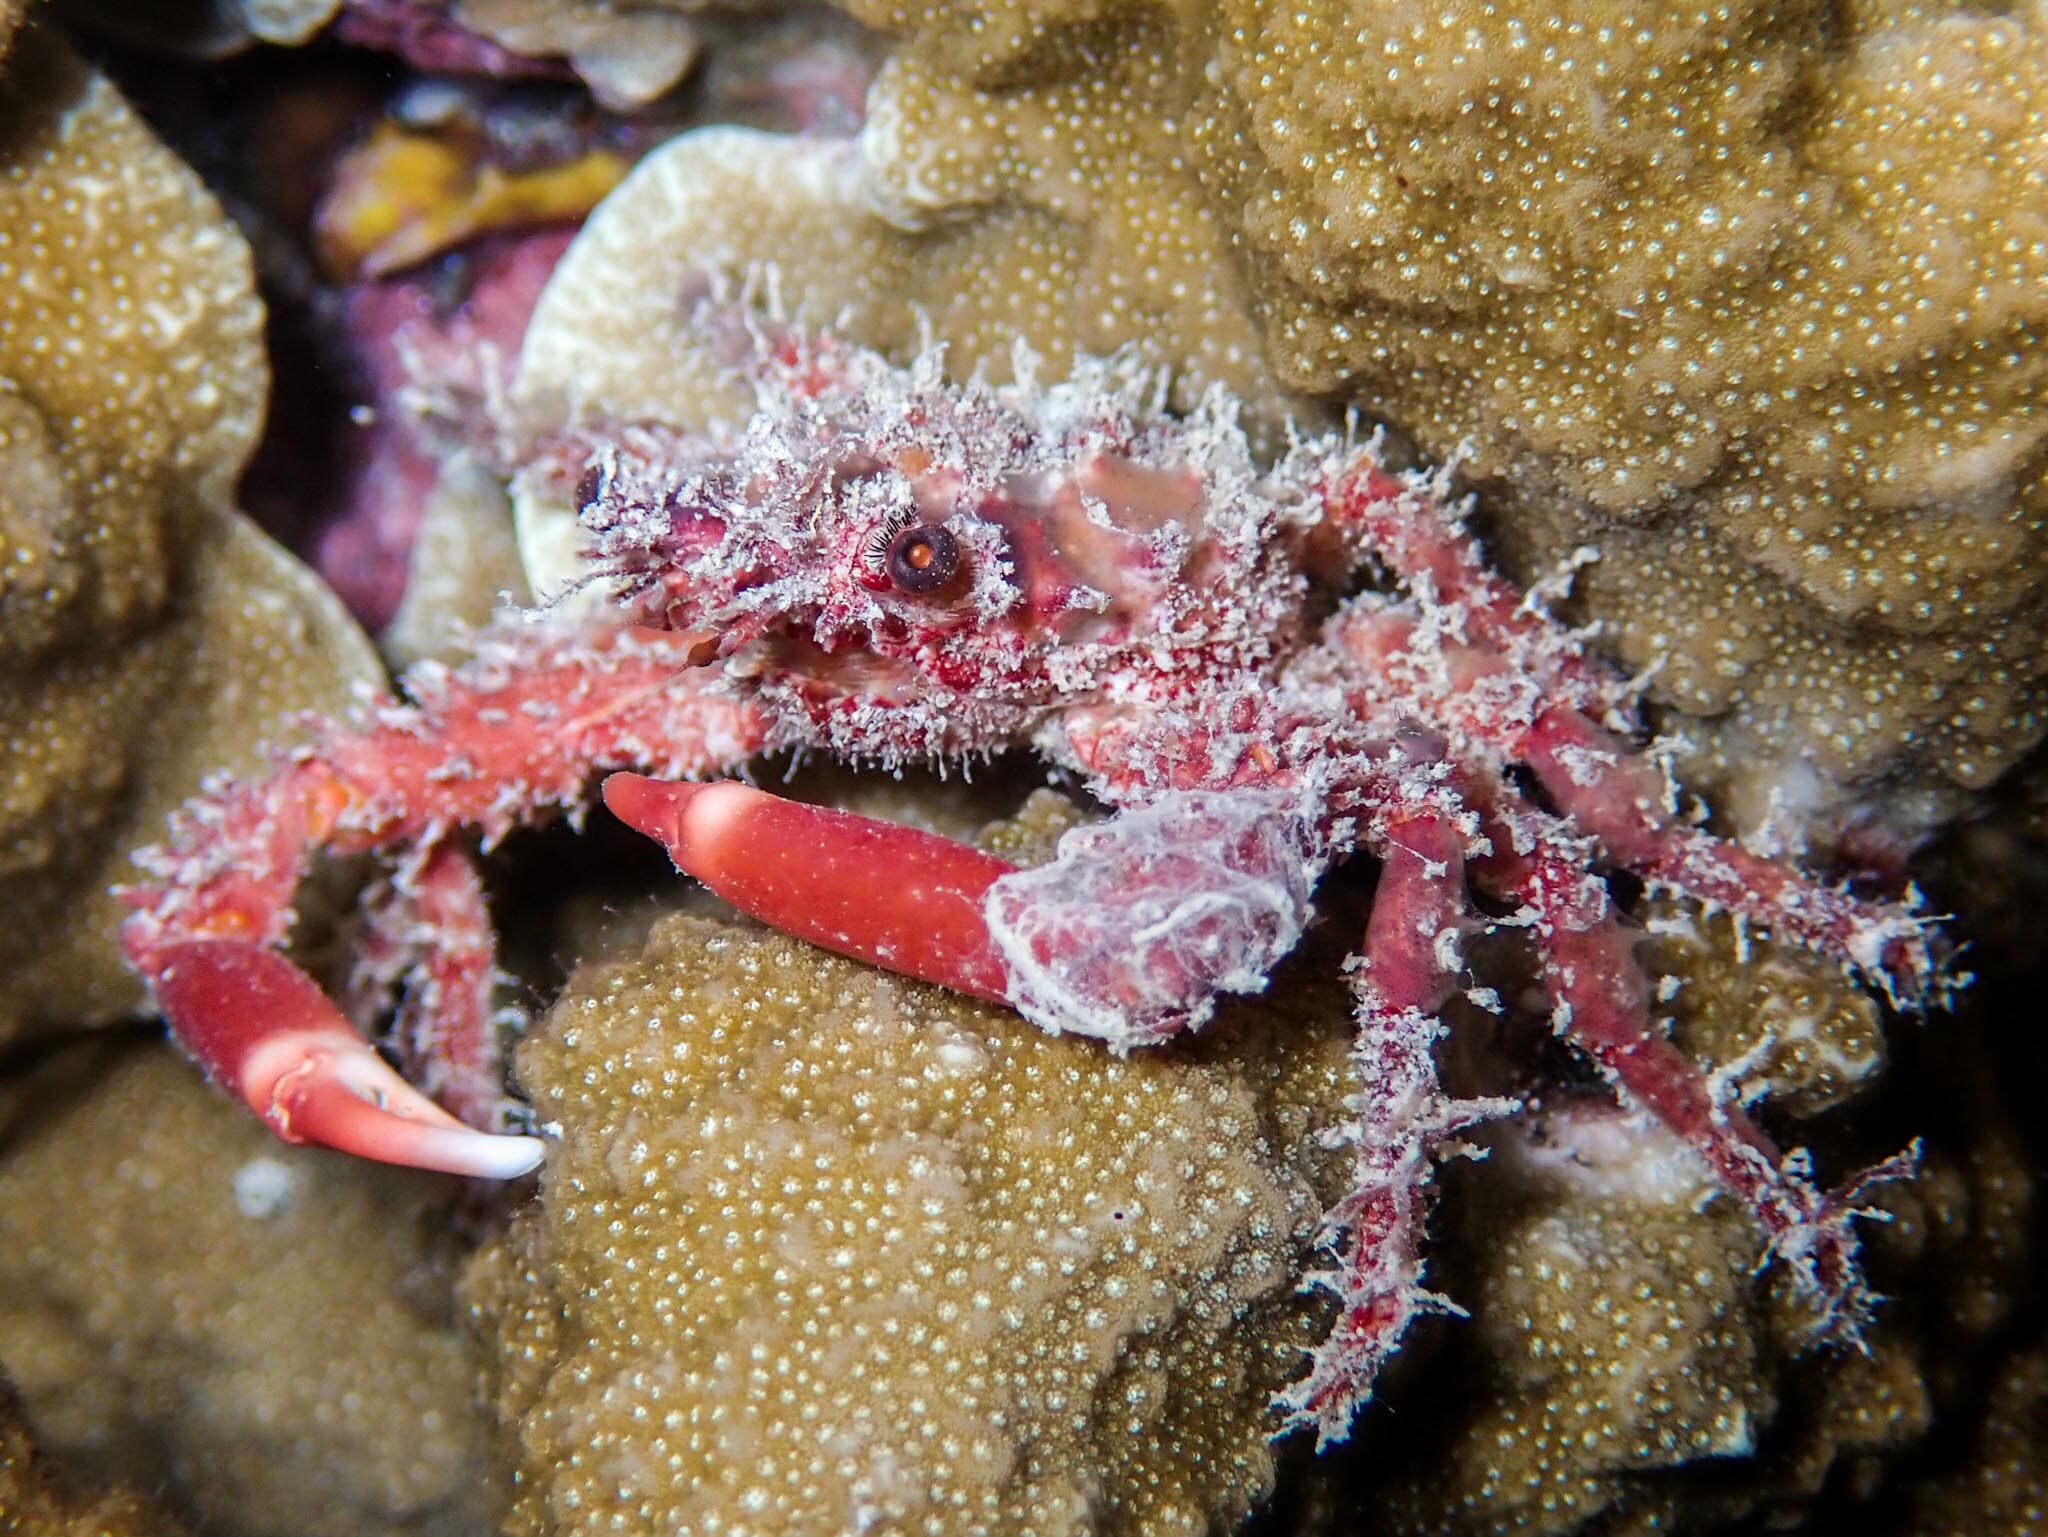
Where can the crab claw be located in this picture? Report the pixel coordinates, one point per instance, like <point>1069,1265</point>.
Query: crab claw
<point>261,1027</point>
<point>903,899</point>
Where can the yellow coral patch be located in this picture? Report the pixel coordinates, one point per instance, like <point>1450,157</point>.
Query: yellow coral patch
<point>405,196</point>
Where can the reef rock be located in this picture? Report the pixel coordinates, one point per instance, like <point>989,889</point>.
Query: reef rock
<point>626,53</point>
<point>262,1333</point>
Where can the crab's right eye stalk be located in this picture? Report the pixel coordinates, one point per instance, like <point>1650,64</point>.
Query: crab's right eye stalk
<point>922,559</point>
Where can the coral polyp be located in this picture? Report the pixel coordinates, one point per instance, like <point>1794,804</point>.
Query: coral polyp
<point>1261,669</point>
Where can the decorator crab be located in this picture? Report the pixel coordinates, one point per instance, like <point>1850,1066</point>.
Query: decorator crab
<point>886,568</point>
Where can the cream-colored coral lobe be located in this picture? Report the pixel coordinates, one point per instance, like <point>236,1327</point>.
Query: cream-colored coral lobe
<point>148,632</point>
<point>627,54</point>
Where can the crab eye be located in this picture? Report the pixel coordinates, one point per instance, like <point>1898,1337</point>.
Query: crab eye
<point>922,558</point>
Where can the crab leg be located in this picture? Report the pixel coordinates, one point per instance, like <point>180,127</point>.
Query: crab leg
<point>430,926</point>
<point>1411,525</point>
<point>1599,994</point>
<point>1615,794</point>
<point>1406,975</point>
<point>522,726</point>
<point>907,900</point>
<point>1600,1000</point>
<point>1601,784</point>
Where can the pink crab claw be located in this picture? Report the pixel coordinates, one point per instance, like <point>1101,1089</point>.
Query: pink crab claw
<point>903,899</point>
<point>260,1026</point>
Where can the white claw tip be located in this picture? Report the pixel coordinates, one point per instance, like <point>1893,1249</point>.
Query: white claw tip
<point>489,1157</point>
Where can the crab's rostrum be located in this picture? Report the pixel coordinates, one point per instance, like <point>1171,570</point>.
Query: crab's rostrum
<point>884,567</point>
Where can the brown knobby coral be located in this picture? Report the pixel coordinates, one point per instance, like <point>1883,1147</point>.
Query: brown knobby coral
<point>2002,1488</point>
<point>822,1249</point>
<point>675,1338</point>
<point>1744,297</point>
<point>1047,146</point>
<point>1624,1371</point>
<point>147,631</point>
<point>1619,1327</point>
<point>1774,1017</point>
<point>38,1500</point>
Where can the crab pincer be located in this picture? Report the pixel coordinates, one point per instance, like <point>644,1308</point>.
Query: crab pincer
<point>1127,935</point>
<point>541,713</point>
<point>262,1028</point>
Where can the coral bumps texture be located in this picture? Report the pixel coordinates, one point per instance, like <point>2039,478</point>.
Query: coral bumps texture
<point>37,1501</point>
<point>1741,297</point>
<point>148,633</point>
<point>1746,295</point>
<point>824,1250</point>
